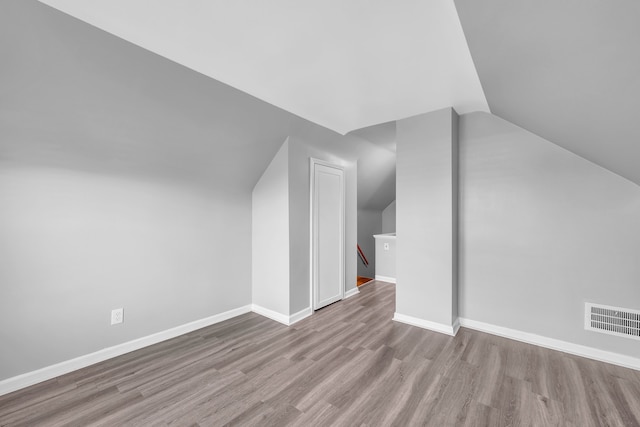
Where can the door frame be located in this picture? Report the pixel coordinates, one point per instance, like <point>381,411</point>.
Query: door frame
<point>312,226</point>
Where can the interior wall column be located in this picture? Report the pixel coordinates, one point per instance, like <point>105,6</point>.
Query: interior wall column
<point>427,221</point>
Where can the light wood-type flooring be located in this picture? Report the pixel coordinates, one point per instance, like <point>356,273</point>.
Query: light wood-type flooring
<point>348,365</point>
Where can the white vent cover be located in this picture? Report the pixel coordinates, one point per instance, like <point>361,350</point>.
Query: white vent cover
<point>621,322</point>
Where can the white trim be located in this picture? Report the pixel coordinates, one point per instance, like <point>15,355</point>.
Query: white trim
<point>385,279</point>
<point>34,377</point>
<point>554,344</point>
<point>385,236</point>
<point>296,317</point>
<point>313,264</point>
<point>456,326</point>
<point>273,315</point>
<point>311,186</point>
<point>427,324</point>
<point>351,292</point>
<point>279,317</point>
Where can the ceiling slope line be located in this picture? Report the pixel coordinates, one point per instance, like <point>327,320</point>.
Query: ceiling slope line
<point>334,63</point>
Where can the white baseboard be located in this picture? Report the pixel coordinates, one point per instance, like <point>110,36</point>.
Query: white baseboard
<point>554,344</point>
<point>273,315</point>
<point>456,326</point>
<point>386,279</point>
<point>351,292</point>
<point>34,377</point>
<point>426,324</point>
<point>296,317</point>
<point>279,317</point>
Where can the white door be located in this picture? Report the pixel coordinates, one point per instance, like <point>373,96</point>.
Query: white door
<point>327,235</point>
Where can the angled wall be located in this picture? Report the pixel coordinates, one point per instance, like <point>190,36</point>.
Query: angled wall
<point>125,181</point>
<point>389,218</point>
<point>270,236</point>
<point>281,231</point>
<point>542,232</point>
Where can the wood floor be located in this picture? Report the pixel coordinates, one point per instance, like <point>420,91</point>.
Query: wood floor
<point>361,280</point>
<point>347,365</point>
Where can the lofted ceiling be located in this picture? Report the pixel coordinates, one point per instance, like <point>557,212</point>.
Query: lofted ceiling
<point>77,98</point>
<point>344,65</point>
<point>567,70</point>
<point>74,97</point>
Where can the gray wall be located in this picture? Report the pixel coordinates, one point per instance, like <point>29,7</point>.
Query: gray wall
<point>389,218</point>
<point>386,259</point>
<point>281,227</point>
<point>125,181</point>
<point>270,235</point>
<point>77,244</point>
<point>427,197</point>
<point>369,223</point>
<point>542,232</point>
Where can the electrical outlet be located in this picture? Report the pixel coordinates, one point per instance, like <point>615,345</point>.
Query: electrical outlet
<point>117,316</point>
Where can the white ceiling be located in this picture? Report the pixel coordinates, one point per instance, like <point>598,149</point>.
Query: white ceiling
<point>567,71</point>
<point>342,64</point>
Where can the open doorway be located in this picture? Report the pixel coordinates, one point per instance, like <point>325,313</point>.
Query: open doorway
<point>371,223</point>
<point>376,191</point>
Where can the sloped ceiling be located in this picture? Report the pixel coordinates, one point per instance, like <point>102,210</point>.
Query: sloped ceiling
<point>376,162</point>
<point>382,135</point>
<point>75,97</point>
<point>342,64</point>
<point>567,70</point>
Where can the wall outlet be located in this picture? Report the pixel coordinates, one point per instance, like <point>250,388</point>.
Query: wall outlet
<point>386,246</point>
<point>117,316</point>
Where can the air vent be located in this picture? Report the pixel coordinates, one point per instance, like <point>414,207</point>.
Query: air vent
<point>622,322</point>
